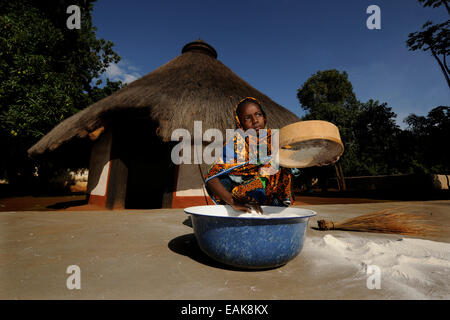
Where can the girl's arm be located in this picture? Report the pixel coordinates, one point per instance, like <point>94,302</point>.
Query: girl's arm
<point>219,191</point>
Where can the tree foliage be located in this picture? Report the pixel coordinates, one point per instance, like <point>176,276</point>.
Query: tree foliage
<point>435,4</point>
<point>374,143</point>
<point>46,74</point>
<point>434,38</point>
<point>328,95</point>
<point>376,136</point>
<point>430,139</point>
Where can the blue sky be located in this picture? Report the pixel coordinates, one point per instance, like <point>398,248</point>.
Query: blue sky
<point>277,45</point>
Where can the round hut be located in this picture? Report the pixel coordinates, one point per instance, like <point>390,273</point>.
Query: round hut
<point>129,132</point>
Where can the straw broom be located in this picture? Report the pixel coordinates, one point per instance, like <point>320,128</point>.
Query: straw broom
<point>390,220</point>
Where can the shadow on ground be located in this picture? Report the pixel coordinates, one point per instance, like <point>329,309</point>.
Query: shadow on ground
<point>187,245</point>
<point>68,204</point>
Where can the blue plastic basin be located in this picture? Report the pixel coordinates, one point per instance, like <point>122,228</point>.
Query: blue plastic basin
<point>260,242</point>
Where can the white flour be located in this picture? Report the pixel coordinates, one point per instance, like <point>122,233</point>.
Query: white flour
<point>410,268</point>
<point>268,212</point>
<point>268,215</point>
<point>265,214</point>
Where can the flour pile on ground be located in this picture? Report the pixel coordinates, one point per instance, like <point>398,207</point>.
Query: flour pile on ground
<point>410,268</point>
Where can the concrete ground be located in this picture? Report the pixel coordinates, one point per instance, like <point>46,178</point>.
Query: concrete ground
<point>152,254</point>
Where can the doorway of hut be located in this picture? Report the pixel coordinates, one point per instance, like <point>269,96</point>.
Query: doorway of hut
<point>151,172</point>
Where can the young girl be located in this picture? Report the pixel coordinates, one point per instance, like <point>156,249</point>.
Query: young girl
<point>243,185</point>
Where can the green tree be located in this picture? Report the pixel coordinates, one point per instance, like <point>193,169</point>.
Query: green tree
<point>327,88</point>
<point>435,4</point>
<point>433,37</point>
<point>47,74</point>
<point>368,130</point>
<point>328,95</point>
<point>377,137</point>
<point>429,135</point>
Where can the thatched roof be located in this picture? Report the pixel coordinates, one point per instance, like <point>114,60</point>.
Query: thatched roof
<point>193,86</point>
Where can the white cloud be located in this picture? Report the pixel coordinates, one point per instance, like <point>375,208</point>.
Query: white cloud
<point>122,71</point>
<point>113,71</point>
<point>128,78</point>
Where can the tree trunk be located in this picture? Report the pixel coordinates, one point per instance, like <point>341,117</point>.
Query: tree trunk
<point>446,5</point>
<point>344,187</point>
<point>442,66</point>
<point>338,177</point>
<point>445,65</point>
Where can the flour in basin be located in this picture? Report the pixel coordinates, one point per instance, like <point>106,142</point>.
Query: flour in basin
<point>255,214</point>
<point>270,213</point>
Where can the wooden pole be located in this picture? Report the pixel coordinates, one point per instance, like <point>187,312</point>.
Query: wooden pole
<point>338,178</point>
<point>344,187</point>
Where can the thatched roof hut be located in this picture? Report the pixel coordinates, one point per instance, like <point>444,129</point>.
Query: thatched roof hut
<point>143,114</point>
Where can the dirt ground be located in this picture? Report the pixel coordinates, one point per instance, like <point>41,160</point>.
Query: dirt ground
<point>54,203</point>
<point>78,202</point>
<point>153,254</point>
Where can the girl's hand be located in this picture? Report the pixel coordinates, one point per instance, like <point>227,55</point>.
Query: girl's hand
<point>219,190</point>
<point>246,207</point>
<point>257,208</point>
<point>241,207</point>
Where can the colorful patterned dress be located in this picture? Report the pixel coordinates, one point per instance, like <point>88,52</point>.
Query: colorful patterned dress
<point>251,179</point>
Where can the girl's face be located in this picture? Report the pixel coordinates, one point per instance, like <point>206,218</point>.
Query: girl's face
<point>251,117</point>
